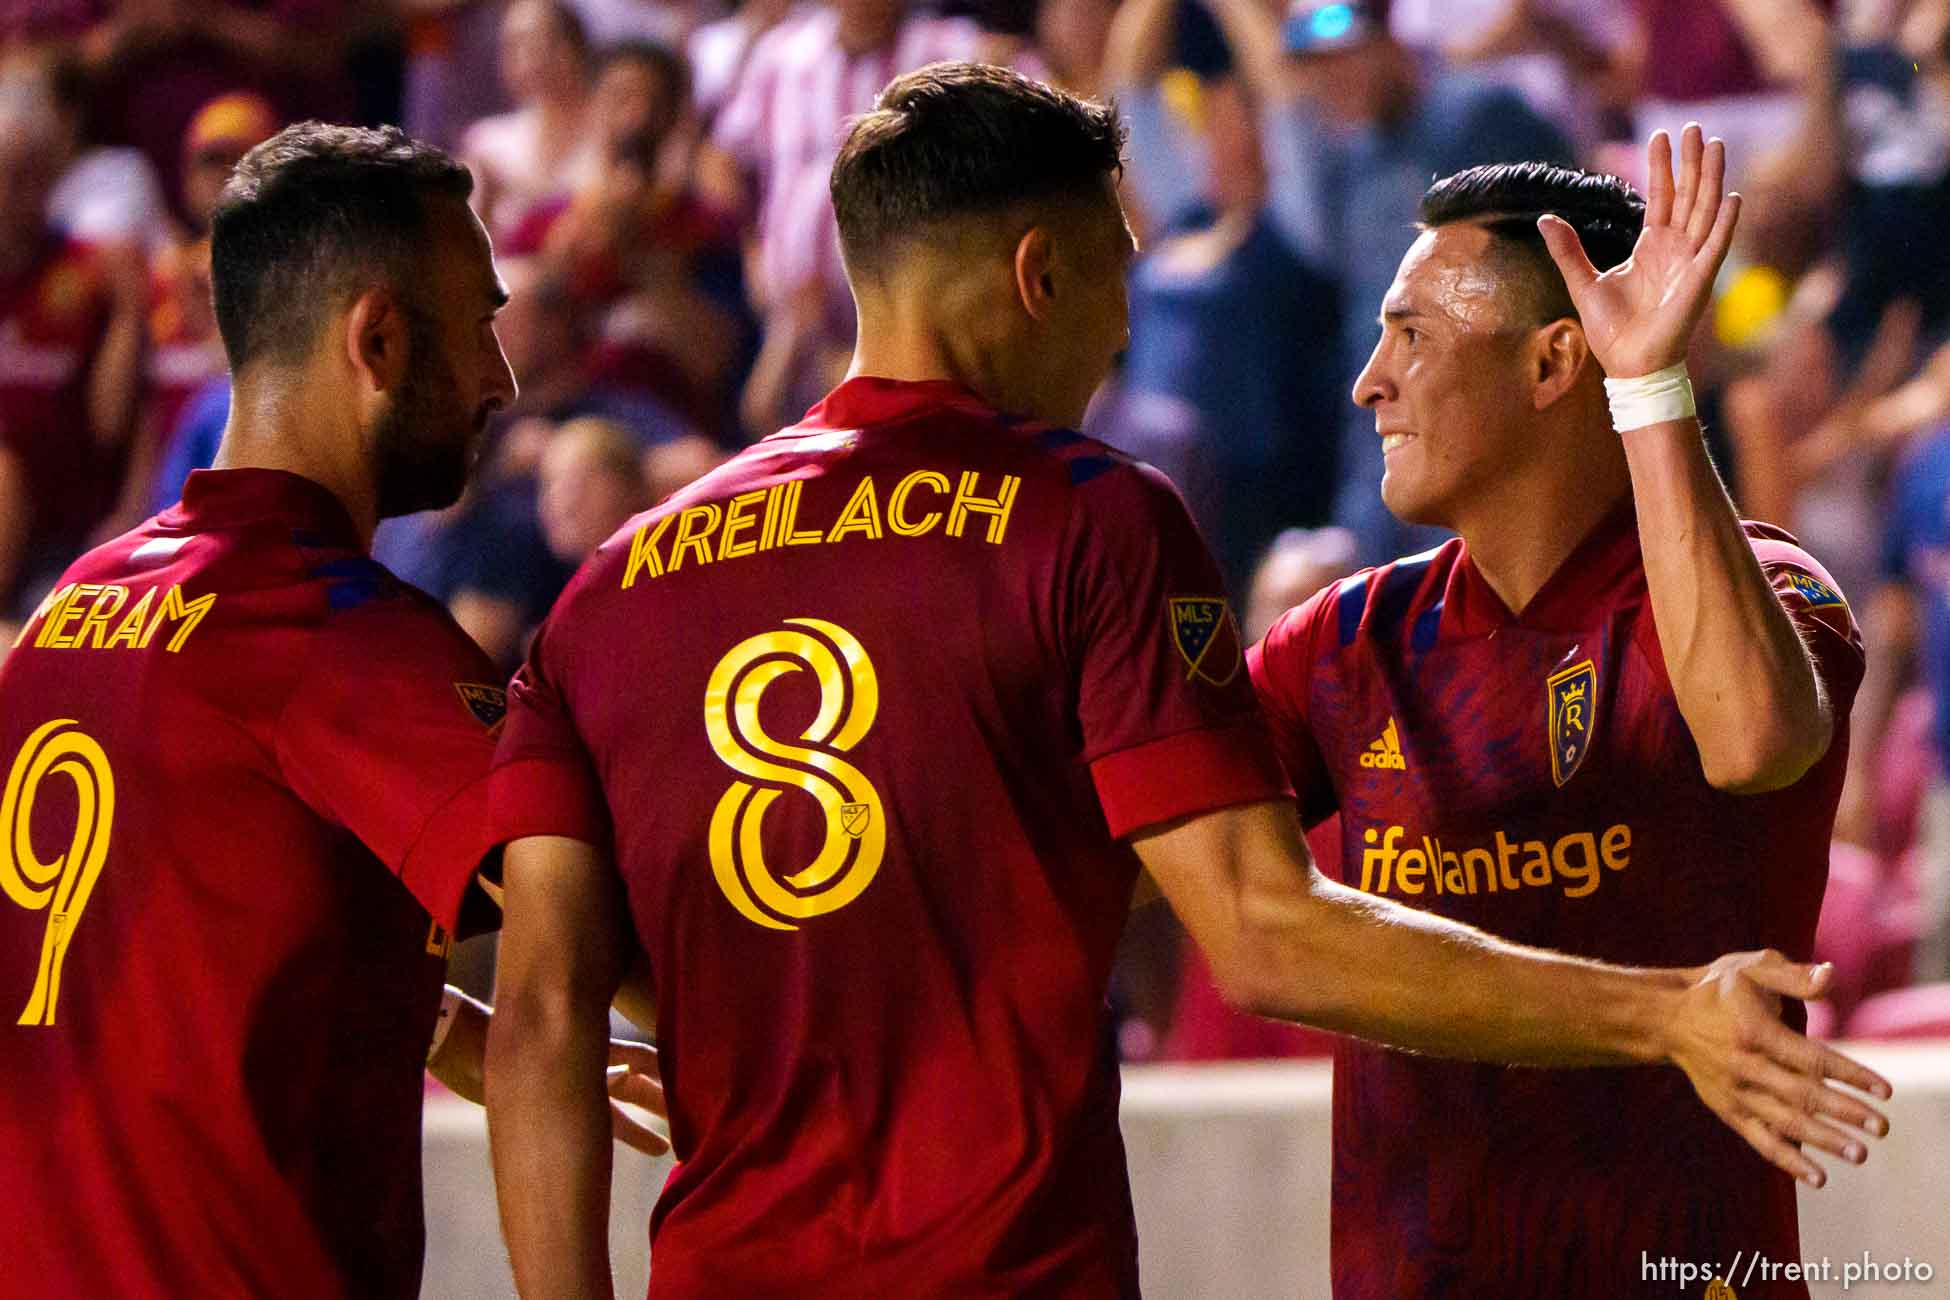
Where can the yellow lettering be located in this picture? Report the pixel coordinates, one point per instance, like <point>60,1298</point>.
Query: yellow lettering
<point>176,609</point>
<point>1537,867</point>
<point>1505,850</point>
<point>54,600</point>
<point>1616,846</point>
<point>1384,857</point>
<point>996,507</point>
<point>790,534</point>
<point>897,503</point>
<point>694,528</point>
<point>1408,872</point>
<point>1452,874</point>
<point>1469,858</point>
<point>643,552</point>
<point>54,632</point>
<point>738,518</point>
<point>129,631</point>
<point>861,514</point>
<point>1585,871</point>
<point>96,622</point>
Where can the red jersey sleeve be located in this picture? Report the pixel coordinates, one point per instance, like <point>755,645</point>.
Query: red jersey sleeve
<point>390,734</point>
<point>1282,666</point>
<point>1170,728</point>
<point>544,780</point>
<point>1820,614</point>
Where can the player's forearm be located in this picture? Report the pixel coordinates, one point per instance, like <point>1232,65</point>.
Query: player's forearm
<point>549,1131</point>
<point>1361,965</point>
<point>1740,673</point>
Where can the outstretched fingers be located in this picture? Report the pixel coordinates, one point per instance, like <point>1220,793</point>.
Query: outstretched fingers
<point>1686,193</point>
<point>1710,191</point>
<point>1658,179</point>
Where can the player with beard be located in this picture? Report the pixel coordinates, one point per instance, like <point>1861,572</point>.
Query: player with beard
<point>245,779</point>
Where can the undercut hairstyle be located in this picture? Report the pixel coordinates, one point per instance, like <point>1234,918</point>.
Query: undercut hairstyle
<point>313,216</point>
<point>1507,198</point>
<point>958,140</point>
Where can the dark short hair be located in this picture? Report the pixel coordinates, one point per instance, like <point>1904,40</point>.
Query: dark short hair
<point>310,216</point>
<point>667,63</point>
<point>965,139</point>
<point>1507,198</point>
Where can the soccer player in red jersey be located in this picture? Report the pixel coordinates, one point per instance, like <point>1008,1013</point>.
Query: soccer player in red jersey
<point>861,741</point>
<point>245,781</point>
<point>1610,718</point>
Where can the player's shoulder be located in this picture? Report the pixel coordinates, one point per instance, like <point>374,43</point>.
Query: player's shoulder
<point>1394,605</point>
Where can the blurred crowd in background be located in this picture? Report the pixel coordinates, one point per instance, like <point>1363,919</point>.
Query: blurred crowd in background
<point>653,173</point>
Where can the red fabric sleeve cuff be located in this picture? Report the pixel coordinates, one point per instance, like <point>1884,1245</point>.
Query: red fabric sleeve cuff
<point>442,862</point>
<point>539,796</point>
<point>1186,774</point>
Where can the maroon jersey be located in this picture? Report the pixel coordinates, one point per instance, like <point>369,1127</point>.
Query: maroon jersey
<point>1532,775</point>
<point>52,320</point>
<point>246,777</point>
<point>866,711</point>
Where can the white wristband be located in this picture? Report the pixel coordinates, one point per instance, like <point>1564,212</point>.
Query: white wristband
<point>1657,398</point>
<point>450,1000</point>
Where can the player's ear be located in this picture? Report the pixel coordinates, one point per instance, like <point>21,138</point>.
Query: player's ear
<point>1035,267</point>
<point>1558,353</point>
<point>376,339</point>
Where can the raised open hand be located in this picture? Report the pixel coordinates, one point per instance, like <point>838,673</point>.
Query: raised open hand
<point>1639,315</point>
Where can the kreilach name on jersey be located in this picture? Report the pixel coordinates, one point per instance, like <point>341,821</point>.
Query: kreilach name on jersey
<point>766,519</point>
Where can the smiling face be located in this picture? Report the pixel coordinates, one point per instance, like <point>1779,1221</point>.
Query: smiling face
<point>1448,382</point>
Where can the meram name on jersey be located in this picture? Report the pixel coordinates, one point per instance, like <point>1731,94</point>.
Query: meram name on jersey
<point>89,616</point>
<point>766,519</point>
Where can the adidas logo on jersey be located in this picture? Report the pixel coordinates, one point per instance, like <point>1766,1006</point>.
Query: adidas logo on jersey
<point>1386,752</point>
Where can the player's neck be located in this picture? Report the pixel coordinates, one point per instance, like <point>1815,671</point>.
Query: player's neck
<point>270,427</point>
<point>1522,537</point>
<point>916,352</point>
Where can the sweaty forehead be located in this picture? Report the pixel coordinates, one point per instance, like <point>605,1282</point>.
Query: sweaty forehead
<point>1452,273</point>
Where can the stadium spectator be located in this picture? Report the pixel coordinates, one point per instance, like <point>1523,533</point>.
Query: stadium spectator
<point>244,686</point>
<point>71,343</point>
<point>543,147</point>
<point>591,482</point>
<point>1226,315</point>
<point>883,1007</point>
<point>107,194</point>
<point>185,351</point>
<point>719,50</point>
<point>1510,737</point>
<point>1567,58</point>
<point>1361,133</point>
<point>655,267</point>
<point>156,62</point>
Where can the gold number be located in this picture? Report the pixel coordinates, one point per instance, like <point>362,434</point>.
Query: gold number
<point>856,828</point>
<point>63,885</point>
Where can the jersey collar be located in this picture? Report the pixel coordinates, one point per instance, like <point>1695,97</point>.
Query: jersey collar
<point>865,401</point>
<point>1608,554</point>
<point>232,498</point>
